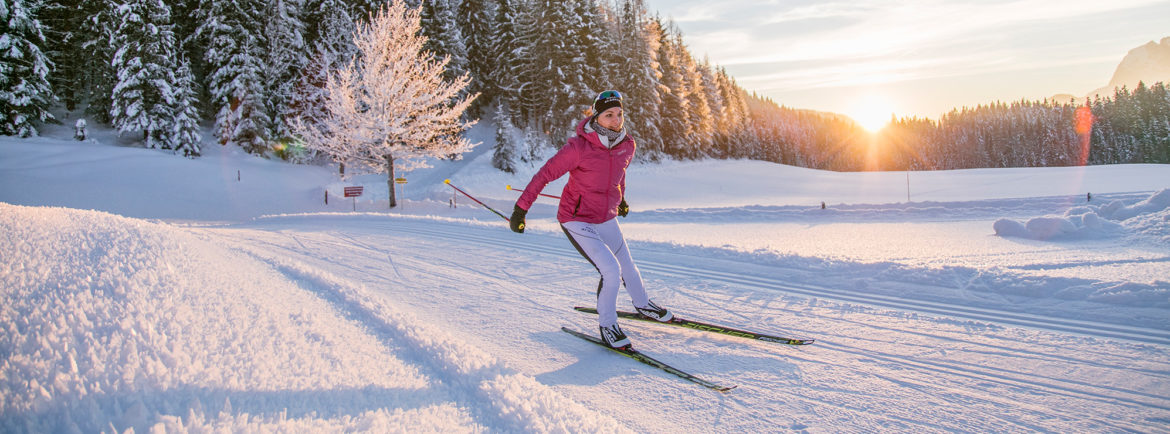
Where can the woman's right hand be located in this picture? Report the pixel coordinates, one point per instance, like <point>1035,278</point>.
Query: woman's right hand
<point>517,220</point>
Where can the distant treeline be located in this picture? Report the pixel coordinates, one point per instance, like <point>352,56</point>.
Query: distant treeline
<point>1129,127</point>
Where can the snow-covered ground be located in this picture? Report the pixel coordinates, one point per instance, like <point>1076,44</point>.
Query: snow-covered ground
<point>147,291</point>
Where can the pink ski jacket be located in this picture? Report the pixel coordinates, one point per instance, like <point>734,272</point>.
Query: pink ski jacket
<point>597,177</point>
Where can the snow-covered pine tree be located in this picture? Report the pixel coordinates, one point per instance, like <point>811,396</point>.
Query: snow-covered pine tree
<point>61,22</point>
<point>475,18</point>
<point>589,66</point>
<point>232,31</point>
<point>507,48</point>
<point>636,76</point>
<point>1160,122</point>
<point>736,115</point>
<point>142,98</point>
<point>535,142</point>
<point>25,94</point>
<point>444,38</point>
<point>186,16</point>
<point>390,108</point>
<point>699,116</point>
<point>551,68</point>
<point>308,100</point>
<point>596,60</point>
<point>716,107</point>
<point>316,13</point>
<point>1153,114</point>
<point>330,25</point>
<point>524,63</point>
<point>184,136</point>
<point>97,51</point>
<point>286,56</point>
<point>676,131</point>
<point>504,154</point>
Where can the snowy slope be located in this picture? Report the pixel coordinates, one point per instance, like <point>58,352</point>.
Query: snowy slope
<point>191,300</point>
<point>122,323</point>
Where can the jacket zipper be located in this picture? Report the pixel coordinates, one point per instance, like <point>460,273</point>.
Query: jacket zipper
<point>609,175</point>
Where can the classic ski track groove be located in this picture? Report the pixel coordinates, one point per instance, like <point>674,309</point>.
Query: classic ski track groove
<point>465,394</point>
<point>1020,379</point>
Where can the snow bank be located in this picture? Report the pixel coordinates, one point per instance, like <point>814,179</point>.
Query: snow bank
<point>1147,217</point>
<point>111,323</point>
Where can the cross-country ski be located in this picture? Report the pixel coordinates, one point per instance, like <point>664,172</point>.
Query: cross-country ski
<point>642,357</point>
<point>707,327</point>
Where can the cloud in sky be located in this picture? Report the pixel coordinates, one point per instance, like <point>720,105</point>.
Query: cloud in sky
<point>814,54</point>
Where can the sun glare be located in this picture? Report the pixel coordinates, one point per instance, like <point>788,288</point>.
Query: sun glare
<point>872,112</point>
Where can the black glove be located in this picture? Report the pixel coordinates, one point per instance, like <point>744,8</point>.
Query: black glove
<point>517,220</point>
<point>623,208</point>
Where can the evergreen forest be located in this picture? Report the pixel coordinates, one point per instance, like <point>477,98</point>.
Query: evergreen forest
<point>158,69</point>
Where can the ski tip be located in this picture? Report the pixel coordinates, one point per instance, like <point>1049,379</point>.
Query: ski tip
<point>726,389</point>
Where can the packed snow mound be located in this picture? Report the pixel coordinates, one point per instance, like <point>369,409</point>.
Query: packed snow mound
<point>116,324</point>
<point>1148,217</point>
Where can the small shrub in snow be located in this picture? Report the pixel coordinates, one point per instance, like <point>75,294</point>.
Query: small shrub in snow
<point>79,130</point>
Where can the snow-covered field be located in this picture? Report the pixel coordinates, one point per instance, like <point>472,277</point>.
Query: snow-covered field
<point>147,291</point>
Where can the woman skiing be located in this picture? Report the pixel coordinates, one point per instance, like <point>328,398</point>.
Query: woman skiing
<point>596,160</point>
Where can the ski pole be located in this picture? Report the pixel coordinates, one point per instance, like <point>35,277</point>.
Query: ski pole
<point>448,182</point>
<point>509,187</point>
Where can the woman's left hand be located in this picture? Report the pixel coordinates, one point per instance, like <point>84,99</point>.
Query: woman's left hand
<point>623,208</point>
<point>516,223</point>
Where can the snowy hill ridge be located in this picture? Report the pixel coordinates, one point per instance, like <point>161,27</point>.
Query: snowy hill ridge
<point>114,323</point>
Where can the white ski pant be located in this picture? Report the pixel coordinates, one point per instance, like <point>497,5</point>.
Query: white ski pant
<point>605,247</point>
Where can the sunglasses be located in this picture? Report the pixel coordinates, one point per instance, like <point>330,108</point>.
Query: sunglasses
<point>609,95</point>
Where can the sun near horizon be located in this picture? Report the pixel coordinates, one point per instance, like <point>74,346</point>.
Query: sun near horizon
<point>872,111</point>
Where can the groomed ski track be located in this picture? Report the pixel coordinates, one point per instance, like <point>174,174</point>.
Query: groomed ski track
<point>659,264</point>
<point>509,293</point>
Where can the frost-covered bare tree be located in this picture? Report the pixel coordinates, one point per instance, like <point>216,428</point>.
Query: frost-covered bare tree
<point>389,108</point>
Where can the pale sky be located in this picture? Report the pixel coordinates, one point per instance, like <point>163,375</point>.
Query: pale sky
<point>871,58</point>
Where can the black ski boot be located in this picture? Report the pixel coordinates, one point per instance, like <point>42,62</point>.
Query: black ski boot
<point>655,312</point>
<point>614,337</point>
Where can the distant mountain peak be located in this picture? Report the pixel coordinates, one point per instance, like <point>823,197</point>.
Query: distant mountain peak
<point>1149,63</point>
